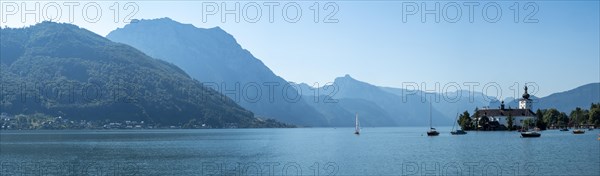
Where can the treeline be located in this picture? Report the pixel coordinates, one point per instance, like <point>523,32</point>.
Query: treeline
<point>552,118</point>
<point>545,119</point>
<point>39,121</point>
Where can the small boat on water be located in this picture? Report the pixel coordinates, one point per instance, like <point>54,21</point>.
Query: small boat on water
<point>457,132</point>
<point>530,134</point>
<point>356,125</point>
<point>432,131</point>
<point>578,131</point>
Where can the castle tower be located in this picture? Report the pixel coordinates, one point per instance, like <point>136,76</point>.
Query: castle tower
<point>525,102</point>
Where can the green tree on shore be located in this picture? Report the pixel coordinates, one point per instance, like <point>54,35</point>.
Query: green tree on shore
<point>551,117</point>
<point>563,119</point>
<point>577,117</point>
<point>465,121</point>
<point>594,115</point>
<point>527,123</point>
<point>540,120</point>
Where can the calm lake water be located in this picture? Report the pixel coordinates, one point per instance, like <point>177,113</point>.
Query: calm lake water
<point>305,151</point>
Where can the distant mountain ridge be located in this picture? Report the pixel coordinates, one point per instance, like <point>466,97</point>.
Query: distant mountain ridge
<point>69,71</point>
<point>375,106</point>
<point>582,96</point>
<point>213,57</point>
<point>565,101</point>
<point>449,103</point>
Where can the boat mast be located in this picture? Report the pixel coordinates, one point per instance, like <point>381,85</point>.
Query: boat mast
<point>356,122</point>
<point>455,119</point>
<point>430,126</point>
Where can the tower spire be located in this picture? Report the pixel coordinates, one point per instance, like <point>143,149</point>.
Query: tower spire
<point>525,95</point>
<point>525,102</point>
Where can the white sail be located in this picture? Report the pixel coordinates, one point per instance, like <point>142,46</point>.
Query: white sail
<point>356,127</point>
<point>430,123</point>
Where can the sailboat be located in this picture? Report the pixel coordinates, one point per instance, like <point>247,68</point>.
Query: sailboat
<point>530,134</point>
<point>432,131</point>
<point>356,127</point>
<point>564,128</point>
<point>576,129</point>
<point>457,132</point>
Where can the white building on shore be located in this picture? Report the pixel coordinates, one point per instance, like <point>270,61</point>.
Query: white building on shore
<point>498,118</point>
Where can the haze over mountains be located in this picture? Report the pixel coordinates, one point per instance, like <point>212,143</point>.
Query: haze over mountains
<point>375,106</point>
<point>156,57</point>
<point>213,57</point>
<point>64,70</point>
<point>447,103</point>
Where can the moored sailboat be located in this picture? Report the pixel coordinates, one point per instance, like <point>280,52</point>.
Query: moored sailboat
<point>432,131</point>
<point>528,134</point>
<point>578,131</point>
<point>576,125</point>
<point>457,132</point>
<point>356,125</point>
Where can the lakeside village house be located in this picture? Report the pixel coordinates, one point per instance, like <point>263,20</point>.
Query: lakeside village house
<point>498,118</point>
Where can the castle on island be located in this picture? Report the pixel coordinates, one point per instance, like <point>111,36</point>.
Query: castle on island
<point>497,119</point>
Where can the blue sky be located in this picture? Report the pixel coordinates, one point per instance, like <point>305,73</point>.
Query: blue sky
<point>371,42</point>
